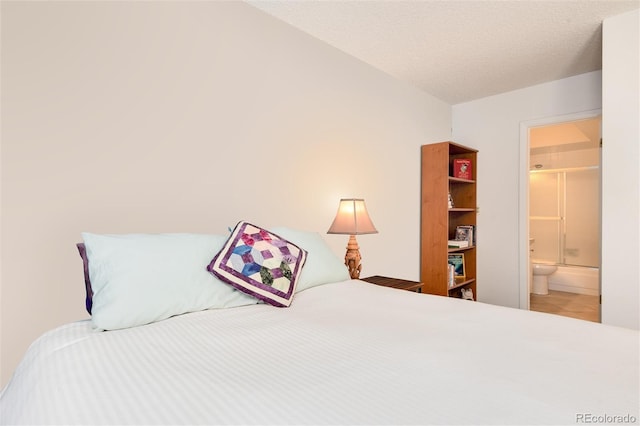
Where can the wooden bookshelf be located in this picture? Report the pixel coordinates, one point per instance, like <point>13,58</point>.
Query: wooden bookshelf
<point>438,222</point>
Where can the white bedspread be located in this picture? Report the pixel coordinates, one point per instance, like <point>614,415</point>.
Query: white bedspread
<point>344,353</point>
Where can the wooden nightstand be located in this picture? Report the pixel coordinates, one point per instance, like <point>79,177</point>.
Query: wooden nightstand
<point>394,283</point>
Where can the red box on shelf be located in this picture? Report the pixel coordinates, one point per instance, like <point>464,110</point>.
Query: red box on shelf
<point>462,168</point>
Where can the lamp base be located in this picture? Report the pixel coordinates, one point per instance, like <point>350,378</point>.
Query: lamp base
<point>352,258</point>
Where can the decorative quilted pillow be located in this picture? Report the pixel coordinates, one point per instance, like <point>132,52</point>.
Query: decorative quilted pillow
<point>260,263</point>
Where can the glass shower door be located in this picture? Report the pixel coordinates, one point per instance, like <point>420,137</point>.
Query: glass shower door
<point>582,229</point>
<point>545,220</point>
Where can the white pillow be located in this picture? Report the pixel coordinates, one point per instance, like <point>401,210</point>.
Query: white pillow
<point>322,265</point>
<point>141,278</point>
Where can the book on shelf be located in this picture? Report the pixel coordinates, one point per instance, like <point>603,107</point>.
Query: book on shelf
<point>462,168</point>
<point>466,233</point>
<point>458,244</point>
<point>451,276</point>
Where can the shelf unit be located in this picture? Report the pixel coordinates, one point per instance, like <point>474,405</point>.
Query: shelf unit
<point>438,222</point>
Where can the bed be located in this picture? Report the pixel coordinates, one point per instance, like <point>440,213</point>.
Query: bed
<point>343,352</point>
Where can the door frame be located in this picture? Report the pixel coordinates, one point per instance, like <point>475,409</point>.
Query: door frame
<point>523,202</point>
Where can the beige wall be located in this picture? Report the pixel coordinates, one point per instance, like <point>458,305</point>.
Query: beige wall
<point>187,117</point>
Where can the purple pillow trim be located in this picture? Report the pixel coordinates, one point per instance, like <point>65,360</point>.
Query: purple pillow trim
<point>87,281</point>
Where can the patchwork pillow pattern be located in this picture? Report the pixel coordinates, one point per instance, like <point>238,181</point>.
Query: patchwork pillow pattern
<point>260,263</point>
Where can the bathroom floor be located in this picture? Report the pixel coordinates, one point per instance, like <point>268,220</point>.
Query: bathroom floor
<point>572,305</point>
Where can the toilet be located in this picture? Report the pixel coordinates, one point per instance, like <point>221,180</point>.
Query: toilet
<point>541,271</point>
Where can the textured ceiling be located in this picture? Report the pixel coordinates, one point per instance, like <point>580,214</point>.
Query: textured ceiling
<point>460,50</point>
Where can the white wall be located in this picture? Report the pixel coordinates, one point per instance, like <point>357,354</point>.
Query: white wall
<point>492,125</point>
<point>187,117</point>
<point>621,175</point>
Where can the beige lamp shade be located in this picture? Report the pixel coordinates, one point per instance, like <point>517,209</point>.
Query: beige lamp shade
<point>352,218</point>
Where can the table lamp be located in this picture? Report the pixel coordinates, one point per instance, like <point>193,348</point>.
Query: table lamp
<point>352,219</point>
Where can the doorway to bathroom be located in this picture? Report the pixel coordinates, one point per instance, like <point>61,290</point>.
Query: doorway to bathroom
<point>564,217</point>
